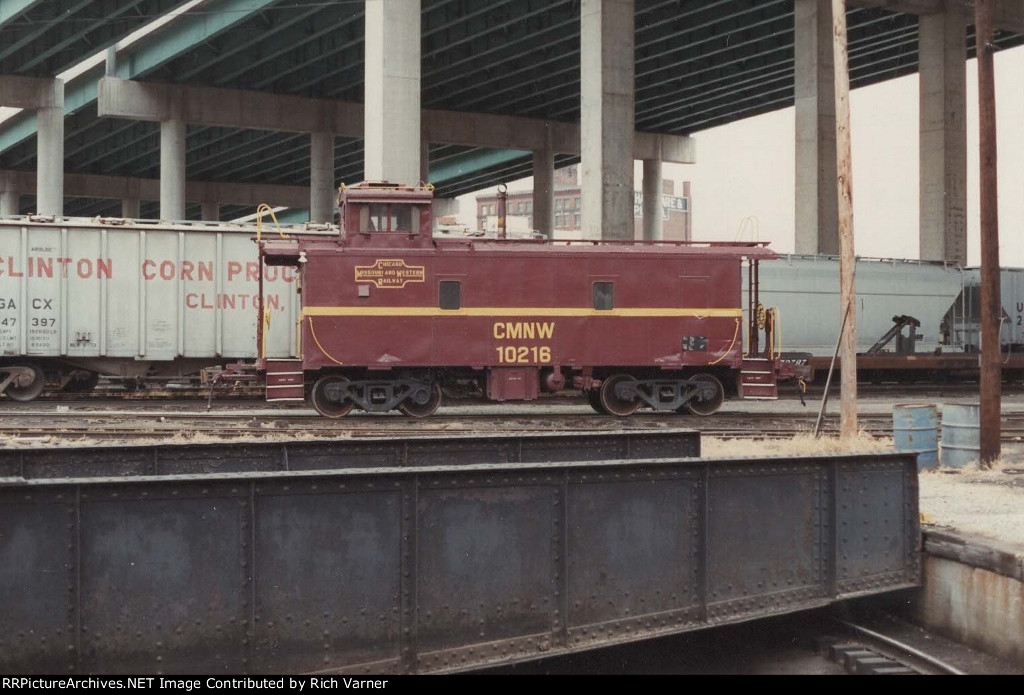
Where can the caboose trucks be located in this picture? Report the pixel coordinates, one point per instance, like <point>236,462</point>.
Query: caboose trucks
<point>395,319</point>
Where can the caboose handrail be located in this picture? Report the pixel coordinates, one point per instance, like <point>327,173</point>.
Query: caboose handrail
<point>625,242</point>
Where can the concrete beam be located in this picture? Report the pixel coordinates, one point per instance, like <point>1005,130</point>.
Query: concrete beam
<point>121,188</point>
<point>233,108</point>
<point>1007,15</point>
<point>905,6</point>
<point>30,92</point>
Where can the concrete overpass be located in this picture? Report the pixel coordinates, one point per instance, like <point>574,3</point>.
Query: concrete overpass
<point>303,95</point>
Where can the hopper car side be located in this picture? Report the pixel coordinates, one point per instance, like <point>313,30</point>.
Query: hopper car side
<point>80,298</point>
<point>916,321</point>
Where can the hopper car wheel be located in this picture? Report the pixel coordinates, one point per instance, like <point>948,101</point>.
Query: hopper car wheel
<point>329,408</point>
<point>594,399</point>
<point>413,409</point>
<point>708,404</point>
<point>25,389</point>
<point>614,405</point>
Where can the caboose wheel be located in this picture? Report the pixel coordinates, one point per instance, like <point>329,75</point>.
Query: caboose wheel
<point>613,404</point>
<point>594,399</point>
<point>321,395</point>
<point>26,385</point>
<point>709,397</point>
<point>412,408</point>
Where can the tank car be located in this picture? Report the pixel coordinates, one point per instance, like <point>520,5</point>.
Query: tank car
<point>394,318</point>
<point>124,298</point>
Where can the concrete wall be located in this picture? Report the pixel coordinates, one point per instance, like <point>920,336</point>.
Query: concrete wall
<point>973,592</point>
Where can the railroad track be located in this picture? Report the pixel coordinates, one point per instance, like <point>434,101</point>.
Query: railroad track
<point>113,392</point>
<point>88,423</point>
<point>818,642</point>
<point>867,652</point>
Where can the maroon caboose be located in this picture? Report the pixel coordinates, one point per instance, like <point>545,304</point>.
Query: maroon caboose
<point>396,318</point>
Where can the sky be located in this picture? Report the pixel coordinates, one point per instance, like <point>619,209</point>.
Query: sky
<point>742,185</point>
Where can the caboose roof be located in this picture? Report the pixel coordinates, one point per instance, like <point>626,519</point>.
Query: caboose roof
<point>543,247</point>
<point>385,192</point>
<point>732,249</point>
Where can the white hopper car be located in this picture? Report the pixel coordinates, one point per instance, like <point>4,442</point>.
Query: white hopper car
<point>82,297</point>
<point>942,297</point>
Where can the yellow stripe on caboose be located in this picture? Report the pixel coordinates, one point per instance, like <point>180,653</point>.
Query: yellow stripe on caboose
<point>518,311</point>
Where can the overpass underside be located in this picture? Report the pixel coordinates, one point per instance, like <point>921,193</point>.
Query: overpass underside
<point>425,556</point>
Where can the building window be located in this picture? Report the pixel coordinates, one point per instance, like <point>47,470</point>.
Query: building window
<point>576,203</point>
<point>604,296</point>
<point>558,219</point>
<point>576,220</point>
<point>450,295</point>
<point>559,203</point>
<point>529,207</point>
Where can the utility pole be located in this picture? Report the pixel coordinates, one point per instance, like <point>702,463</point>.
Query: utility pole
<point>847,259</point>
<point>991,309</point>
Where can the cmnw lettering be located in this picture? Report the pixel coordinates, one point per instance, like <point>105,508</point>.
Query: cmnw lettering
<point>524,330</point>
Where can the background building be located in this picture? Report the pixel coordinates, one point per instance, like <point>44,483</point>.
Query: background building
<point>519,209</point>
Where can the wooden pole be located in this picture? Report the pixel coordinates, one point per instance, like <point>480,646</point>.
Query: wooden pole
<point>831,368</point>
<point>991,305</point>
<point>847,259</point>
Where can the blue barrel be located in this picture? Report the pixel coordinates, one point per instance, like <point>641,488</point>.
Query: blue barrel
<point>961,438</point>
<point>915,427</point>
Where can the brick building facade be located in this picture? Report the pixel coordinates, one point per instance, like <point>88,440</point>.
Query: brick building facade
<point>519,210</point>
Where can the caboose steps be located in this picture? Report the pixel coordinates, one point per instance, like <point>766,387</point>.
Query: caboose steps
<point>285,381</point>
<point>757,379</point>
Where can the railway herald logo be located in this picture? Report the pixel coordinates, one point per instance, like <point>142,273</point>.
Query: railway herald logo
<point>390,272</point>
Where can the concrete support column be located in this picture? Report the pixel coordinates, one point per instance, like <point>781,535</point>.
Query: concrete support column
<point>653,224</point>
<point>942,40</point>
<point>607,123</point>
<point>424,159</point>
<point>172,169</point>
<point>9,203</point>
<point>9,197</point>
<point>50,159</point>
<point>210,211</point>
<point>817,197</point>
<point>544,192</point>
<point>321,177</point>
<point>130,208</point>
<point>392,96</point>
<point>445,206</point>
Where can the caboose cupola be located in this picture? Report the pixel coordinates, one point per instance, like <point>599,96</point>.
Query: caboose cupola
<point>381,213</point>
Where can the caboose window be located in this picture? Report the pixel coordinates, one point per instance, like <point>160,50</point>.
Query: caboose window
<point>381,217</point>
<point>604,296</point>
<point>401,218</point>
<point>373,218</point>
<point>450,296</point>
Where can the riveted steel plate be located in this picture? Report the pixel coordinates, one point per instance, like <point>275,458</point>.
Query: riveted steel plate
<point>432,569</point>
<point>199,459</point>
